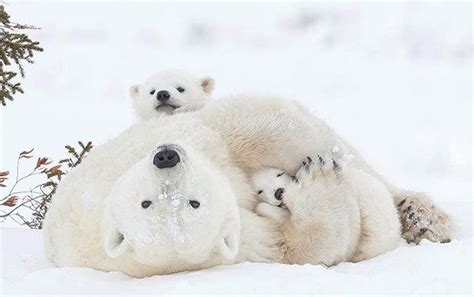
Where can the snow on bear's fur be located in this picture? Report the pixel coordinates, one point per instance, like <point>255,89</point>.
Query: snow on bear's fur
<point>90,224</point>
<point>170,92</point>
<point>157,214</point>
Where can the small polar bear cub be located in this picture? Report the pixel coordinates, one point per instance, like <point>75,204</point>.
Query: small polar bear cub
<point>170,92</point>
<point>269,184</point>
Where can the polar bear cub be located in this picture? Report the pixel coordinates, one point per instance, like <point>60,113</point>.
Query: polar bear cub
<point>325,216</point>
<point>170,92</point>
<point>269,185</point>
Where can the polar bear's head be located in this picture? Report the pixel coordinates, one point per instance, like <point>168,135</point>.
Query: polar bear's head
<point>269,184</point>
<point>175,210</point>
<point>170,92</point>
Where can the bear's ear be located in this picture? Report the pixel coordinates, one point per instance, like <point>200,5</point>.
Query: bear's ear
<point>207,84</point>
<point>134,90</point>
<point>229,242</point>
<point>115,243</point>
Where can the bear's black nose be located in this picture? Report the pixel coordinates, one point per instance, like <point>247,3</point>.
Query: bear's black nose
<point>163,96</point>
<point>279,193</point>
<point>166,158</point>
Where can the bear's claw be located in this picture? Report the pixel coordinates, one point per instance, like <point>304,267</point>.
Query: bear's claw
<point>308,165</point>
<point>422,219</point>
<point>321,160</point>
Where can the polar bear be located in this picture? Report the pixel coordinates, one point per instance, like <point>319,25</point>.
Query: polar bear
<point>269,185</point>
<point>226,139</point>
<point>271,132</point>
<point>170,92</point>
<point>162,197</point>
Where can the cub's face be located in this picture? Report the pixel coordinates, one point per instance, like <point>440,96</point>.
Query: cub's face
<point>170,92</point>
<point>174,208</point>
<point>270,184</point>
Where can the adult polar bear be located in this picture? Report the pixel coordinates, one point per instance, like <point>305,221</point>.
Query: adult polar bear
<point>222,141</point>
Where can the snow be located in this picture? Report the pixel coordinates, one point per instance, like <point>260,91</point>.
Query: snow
<point>394,79</point>
<point>427,268</point>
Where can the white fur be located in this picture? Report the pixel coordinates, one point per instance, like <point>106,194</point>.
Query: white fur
<point>102,198</point>
<point>230,138</point>
<point>337,214</point>
<point>264,132</point>
<point>276,213</point>
<point>348,222</point>
<point>196,93</point>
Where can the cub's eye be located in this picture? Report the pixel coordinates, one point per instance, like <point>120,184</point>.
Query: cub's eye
<point>280,174</point>
<point>146,204</point>
<point>259,192</point>
<point>180,89</point>
<point>152,92</point>
<point>195,204</point>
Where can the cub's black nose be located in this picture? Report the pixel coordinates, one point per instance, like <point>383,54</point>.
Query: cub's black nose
<point>163,96</point>
<point>279,193</point>
<point>166,158</point>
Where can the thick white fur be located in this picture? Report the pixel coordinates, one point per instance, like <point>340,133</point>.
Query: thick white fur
<point>197,92</point>
<point>103,195</point>
<point>338,214</point>
<point>269,132</point>
<point>333,214</point>
<point>233,136</point>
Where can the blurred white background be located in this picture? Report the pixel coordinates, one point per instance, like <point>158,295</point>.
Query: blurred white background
<point>392,78</point>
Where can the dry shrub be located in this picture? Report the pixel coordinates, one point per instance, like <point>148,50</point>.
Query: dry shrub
<point>29,206</point>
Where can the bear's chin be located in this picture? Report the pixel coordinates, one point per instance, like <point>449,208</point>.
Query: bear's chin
<point>166,109</point>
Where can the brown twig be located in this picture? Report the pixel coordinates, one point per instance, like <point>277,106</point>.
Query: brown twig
<point>34,203</point>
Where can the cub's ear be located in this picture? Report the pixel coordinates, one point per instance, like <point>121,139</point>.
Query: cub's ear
<point>134,90</point>
<point>207,84</point>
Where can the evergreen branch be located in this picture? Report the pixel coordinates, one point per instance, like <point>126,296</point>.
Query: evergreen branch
<point>16,48</point>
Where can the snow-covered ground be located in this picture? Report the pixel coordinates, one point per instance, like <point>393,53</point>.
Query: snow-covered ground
<point>393,79</point>
<point>426,269</point>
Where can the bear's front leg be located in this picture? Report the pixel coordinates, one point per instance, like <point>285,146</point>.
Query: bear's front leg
<point>324,223</point>
<point>421,218</point>
<point>273,212</point>
<point>315,180</point>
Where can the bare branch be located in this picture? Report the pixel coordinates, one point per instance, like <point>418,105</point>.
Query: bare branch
<point>28,207</point>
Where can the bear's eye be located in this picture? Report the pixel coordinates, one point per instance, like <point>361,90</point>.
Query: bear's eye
<point>152,91</point>
<point>195,204</point>
<point>146,204</point>
<point>180,89</point>
<point>259,192</point>
<point>280,174</point>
